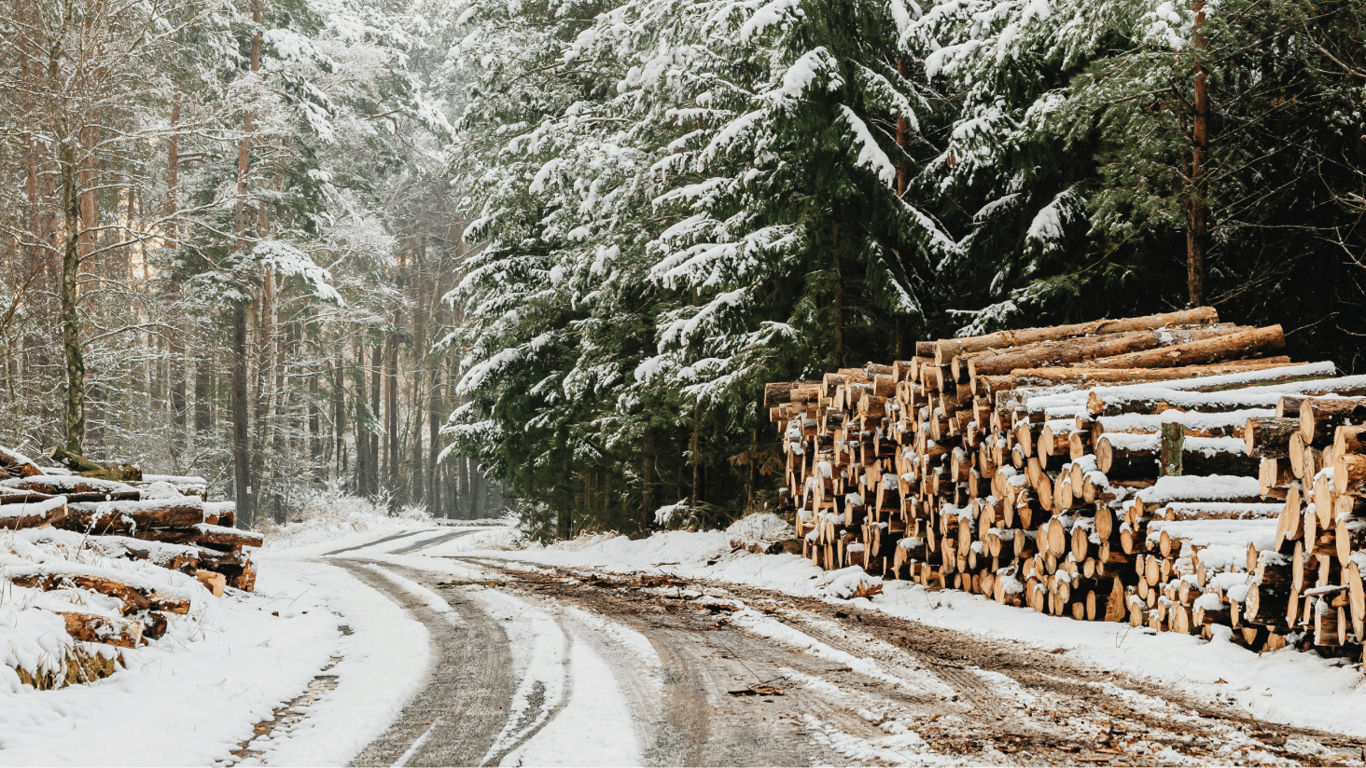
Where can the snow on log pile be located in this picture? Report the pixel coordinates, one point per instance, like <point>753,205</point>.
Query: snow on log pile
<point>1167,471</point>
<point>89,565</point>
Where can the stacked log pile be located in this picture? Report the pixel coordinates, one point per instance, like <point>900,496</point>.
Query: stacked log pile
<point>152,521</point>
<point>1168,471</point>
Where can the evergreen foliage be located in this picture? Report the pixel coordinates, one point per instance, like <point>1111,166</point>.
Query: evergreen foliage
<point>674,203</point>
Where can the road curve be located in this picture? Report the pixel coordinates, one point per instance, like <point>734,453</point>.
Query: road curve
<point>740,676</point>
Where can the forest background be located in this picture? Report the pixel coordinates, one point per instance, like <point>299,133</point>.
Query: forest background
<point>472,254</point>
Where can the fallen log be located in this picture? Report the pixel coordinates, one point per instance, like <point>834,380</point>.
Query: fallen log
<point>1200,351</point>
<point>946,349</point>
<point>50,511</point>
<point>92,628</point>
<point>133,516</point>
<point>1065,352</point>
<point>87,468</point>
<point>133,598</point>
<point>14,464</point>
<point>1276,369</point>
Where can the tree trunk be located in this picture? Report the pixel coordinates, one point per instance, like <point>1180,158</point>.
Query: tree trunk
<point>175,347</point>
<point>1197,235</point>
<point>647,490</point>
<point>362,426</point>
<point>434,445</point>
<point>241,458</point>
<point>240,446</point>
<point>376,383</point>
<point>68,297</point>
<point>391,424</point>
<point>338,415</point>
<point>203,391</point>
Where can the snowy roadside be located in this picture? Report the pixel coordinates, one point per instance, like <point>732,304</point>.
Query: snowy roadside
<point>1287,686</point>
<point>196,695</point>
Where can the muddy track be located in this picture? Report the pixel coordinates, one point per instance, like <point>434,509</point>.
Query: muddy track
<point>1007,703</point>
<point>455,717</point>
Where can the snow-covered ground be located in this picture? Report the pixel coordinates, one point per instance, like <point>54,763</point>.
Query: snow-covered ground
<point>1285,686</point>
<point>195,697</point>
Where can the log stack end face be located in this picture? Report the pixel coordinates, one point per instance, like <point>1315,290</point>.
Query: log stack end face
<point>1166,471</point>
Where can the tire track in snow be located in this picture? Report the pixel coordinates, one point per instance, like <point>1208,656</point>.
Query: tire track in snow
<point>465,700</point>
<point>375,543</point>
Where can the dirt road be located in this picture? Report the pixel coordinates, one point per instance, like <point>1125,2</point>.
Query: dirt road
<point>532,664</point>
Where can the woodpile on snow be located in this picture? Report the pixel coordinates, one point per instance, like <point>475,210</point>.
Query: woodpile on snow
<point>70,531</point>
<point>1166,471</point>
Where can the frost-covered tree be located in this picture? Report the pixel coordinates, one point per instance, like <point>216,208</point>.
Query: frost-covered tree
<point>1077,138</point>
<point>677,202</point>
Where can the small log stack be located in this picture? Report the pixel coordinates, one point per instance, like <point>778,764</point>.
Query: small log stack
<point>1167,471</point>
<point>156,521</point>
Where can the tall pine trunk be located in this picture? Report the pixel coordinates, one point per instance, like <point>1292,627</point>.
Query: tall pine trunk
<point>68,298</point>
<point>241,459</point>
<point>1197,233</point>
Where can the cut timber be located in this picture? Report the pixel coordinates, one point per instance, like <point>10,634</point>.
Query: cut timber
<point>1244,343</point>
<point>1086,377</point>
<point>1195,424</point>
<point>1065,352</point>
<point>51,511</point>
<point>130,516</point>
<point>778,392</point>
<point>1269,438</point>
<point>1123,457</point>
<point>1320,418</point>
<point>1274,476</point>
<point>1349,474</point>
<point>69,485</point>
<point>1155,399</point>
<point>946,349</point>
<point>14,464</point>
<point>1347,440</point>
<point>1217,510</point>
<point>246,580</point>
<point>225,537</point>
<point>90,628</point>
<point>8,496</point>
<point>214,582</point>
<point>133,598</point>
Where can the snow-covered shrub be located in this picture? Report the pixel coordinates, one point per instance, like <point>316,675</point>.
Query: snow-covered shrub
<point>761,526</point>
<point>330,512</point>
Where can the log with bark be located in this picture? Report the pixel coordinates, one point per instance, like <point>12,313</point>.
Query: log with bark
<point>1068,351</point>
<point>1200,351</point>
<point>1279,369</point>
<point>92,628</point>
<point>87,468</point>
<point>946,349</point>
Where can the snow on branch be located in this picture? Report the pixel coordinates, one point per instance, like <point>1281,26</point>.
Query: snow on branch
<point>289,261</point>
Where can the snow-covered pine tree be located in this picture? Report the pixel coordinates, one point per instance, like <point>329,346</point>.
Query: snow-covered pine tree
<point>677,202</point>
<point>1074,141</point>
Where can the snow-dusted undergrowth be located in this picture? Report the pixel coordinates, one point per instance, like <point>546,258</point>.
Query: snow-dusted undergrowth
<point>331,513</point>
